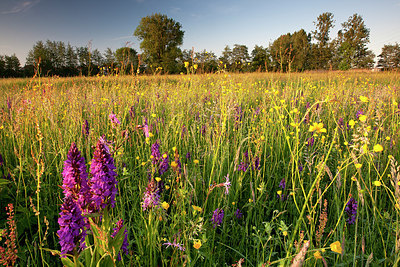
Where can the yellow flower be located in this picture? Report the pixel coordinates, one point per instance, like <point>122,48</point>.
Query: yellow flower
<point>196,208</point>
<point>362,118</point>
<point>352,123</point>
<point>378,148</point>
<point>250,200</point>
<point>154,115</point>
<point>336,247</point>
<point>167,187</point>
<point>317,127</point>
<point>284,233</point>
<point>186,64</point>
<point>317,255</point>
<point>158,179</point>
<point>233,203</point>
<point>195,66</point>
<point>174,164</point>
<point>165,205</point>
<point>358,165</point>
<point>279,192</point>
<point>197,244</point>
<point>196,161</point>
<point>377,183</point>
<point>354,178</point>
<point>364,99</point>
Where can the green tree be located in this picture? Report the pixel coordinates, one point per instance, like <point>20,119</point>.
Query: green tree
<point>109,58</point>
<point>240,58</point>
<point>2,66</point>
<point>40,53</point>
<point>389,58</point>
<point>301,45</point>
<point>322,51</point>
<point>227,57</point>
<point>160,40</point>
<point>207,61</point>
<point>260,59</point>
<point>352,44</point>
<point>127,60</point>
<point>12,66</point>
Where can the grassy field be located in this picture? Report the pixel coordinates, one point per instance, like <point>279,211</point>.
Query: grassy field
<point>259,167</point>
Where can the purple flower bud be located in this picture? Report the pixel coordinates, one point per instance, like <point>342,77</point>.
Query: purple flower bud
<point>217,218</point>
<point>103,184</point>
<point>282,184</point>
<point>155,152</point>
<point>351,210</point>
<point>151,198</point>
<point>238,214</point>
<point>72,224</point>
<point>75,177</point>
<point>164,164</point>
<point>114,119</point>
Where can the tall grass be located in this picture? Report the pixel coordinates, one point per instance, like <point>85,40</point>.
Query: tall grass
<point>218,125</point>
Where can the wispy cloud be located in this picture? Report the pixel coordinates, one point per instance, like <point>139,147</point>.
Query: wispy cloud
<point>122,37</point>
<point>21,6</point>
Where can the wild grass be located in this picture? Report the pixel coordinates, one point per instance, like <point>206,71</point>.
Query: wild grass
<point>290,179</point>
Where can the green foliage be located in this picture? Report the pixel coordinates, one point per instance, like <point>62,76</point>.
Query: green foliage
<point>389,59</point>
<point>160,40</point>
<point>323,50</point>
<point>127,60</point>
<point>352,44</point>
<point>291,52</point>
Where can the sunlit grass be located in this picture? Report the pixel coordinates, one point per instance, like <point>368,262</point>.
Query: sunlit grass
<point>296,147</point>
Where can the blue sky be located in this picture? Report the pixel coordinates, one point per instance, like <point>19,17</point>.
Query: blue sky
<point>207,24</point>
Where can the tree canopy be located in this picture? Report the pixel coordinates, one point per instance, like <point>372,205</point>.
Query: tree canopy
<point>160,40</point>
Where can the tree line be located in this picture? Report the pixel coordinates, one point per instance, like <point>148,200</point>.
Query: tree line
<point>161,38</point>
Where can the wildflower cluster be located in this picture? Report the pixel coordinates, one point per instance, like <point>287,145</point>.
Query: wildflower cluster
<point>83,197</point>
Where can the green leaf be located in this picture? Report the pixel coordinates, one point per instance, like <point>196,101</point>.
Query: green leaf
<point>115,243</point>
<point>99,237</point>
<point>67,262</point>
<point>4,182</point>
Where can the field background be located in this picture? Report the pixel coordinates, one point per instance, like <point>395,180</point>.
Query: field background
<point>211,121</point>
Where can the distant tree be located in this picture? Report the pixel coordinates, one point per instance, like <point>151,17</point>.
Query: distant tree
<point>260,59</point>
<point>301,45</point>
<point>206,60</point>
<point>323,50</point>
<point>160,40</point>
<point>40,54</point>
<point>109,58</point>
<point>12,66</point>
<point>389,58</point>
<point>226,58</point>
<point>291,52</point>
<point>240,58</point>
<point>127,59</point>
<point>352,43</point>
<point>84,59</point>
<point>71,61</point>
<point>2,66</point>
<point>281,50</point>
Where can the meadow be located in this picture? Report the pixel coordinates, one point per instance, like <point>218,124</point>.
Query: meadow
<point>212,170</point>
